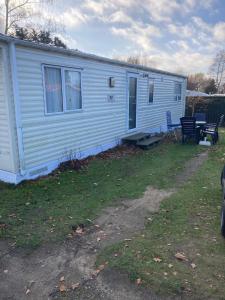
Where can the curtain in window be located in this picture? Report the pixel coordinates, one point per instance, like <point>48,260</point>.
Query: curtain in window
<point>53,89</point>
<point>73,90</point>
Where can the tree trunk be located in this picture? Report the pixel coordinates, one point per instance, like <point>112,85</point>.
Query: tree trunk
<point>6,16</point>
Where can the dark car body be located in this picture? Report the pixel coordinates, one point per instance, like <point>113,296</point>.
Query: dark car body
<point>223,203</point>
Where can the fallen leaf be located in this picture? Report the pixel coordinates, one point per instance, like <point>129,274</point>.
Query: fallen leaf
<point>62,279</point>
<point>174,273</point>
<point>101,267</point>
<point>3,226</point>
<point>193,266</point>
<point>27,291</point>
<point>138,281</point>
<point>157,259</point>
<point>165,273</point>
<point>96,272</point>
<point>75,286</point>
<point>62,287</point>
<point>181,256</point>
<point>170,266</point>
<point>79,230</point>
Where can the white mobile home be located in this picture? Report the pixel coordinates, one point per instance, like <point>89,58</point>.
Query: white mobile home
<point>57,103</point>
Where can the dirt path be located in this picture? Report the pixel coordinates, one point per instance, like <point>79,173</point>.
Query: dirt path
<point>38,273</point>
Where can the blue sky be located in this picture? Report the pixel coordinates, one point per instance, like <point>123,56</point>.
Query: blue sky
<point>175,35</point>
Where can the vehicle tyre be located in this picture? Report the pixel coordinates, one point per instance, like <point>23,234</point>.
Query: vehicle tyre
<point>223,220</point>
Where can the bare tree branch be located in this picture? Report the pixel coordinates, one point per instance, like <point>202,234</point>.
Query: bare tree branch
<point>217,69</point>
<point>16,11</point>
<point>18,6</point>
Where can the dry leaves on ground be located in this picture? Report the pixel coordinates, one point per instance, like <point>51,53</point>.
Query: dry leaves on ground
<point>157,259</point>
<point>181,256</point>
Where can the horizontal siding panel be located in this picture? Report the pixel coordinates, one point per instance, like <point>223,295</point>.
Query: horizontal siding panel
<point>47,137</point>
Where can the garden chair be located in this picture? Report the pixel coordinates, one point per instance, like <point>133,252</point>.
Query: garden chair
<point>189,129</point>
<point>170,125</point>
<point>212,129</point>
<point>200,116</point>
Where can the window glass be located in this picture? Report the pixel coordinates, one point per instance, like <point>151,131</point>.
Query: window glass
<point>151,91</point>
<point>73,90</point>
<point>53,90</point>
<point>177,91</point>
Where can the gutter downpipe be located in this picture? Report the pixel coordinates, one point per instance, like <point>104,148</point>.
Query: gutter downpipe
<point>16,98</point>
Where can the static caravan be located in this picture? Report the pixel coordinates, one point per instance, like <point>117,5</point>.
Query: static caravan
<point>57,103</point>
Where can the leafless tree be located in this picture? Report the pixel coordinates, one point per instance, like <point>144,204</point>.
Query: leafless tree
<point>201,82</point>
<point>192,102</point>
<point>14,11</point>
<point>137,59</point>
<point>217,69</point>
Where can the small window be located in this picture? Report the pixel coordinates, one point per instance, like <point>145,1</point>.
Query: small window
<point>151,91</point>
<point>177,91</point>
<point>73,90</point>
<point>53,90</point>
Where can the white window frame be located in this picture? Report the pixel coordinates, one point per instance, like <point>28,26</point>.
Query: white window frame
<point>150,79</point>
<point>176,96</point>
<point>63,84</point>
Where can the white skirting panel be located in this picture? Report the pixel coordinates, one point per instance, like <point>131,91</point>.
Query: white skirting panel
<point>50,166</point>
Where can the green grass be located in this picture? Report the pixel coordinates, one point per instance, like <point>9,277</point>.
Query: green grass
<point>44,210</point>
<point>188,222</point>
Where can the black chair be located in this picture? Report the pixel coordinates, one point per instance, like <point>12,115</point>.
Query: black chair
<point>189,129</point>
<point>200,117</point>
<point>212,129</point>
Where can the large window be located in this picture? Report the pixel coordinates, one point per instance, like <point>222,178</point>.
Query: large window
<point>177,91</point>
<point>62,89</point>
<point>151,90</point>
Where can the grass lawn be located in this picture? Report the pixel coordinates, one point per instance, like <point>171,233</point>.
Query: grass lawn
<point>44,210</point>
<point>189,223</point>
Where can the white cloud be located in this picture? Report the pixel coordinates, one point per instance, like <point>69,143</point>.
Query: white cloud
<point>182,61</point>
<point>183,31</point>
<point>139,34</point>
<point>170,32</point>
<point>161,10</point>
<point>73,18</point>
<point>120,17</point>
<point>219,32</point>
